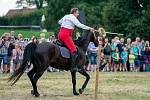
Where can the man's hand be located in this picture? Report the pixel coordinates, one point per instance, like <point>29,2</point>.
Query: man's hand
<point>78,34</point>
<point>92,29</point>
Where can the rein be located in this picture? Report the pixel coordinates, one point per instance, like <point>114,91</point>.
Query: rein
<point>94,35</point>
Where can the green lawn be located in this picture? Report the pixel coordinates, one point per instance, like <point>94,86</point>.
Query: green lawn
<point>27,33</point>
<point>57,86</point>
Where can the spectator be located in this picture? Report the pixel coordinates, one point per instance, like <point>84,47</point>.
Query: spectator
<point>137,41</point>
<point>51,38</point>
<point>4,45</point>
<point>120,46</point>
<point>107,55</point>
<point>132,60</point>
<point>116,58</point>
<point>141,53</point>
<point>16,57</point>
<point>35,40</point>
<point>136,50</point>
<point>114,44</point>
<point>20,41</point>
<point>100,40</point>
<point>10,49</point>
<point>92,53</point>
<point>26,41</point>
<point>42,38</point>
<point>146,57</point>
<point>128,45</point>
<point>12,33</point>
<point>113,47</point>
<point>124,57</point>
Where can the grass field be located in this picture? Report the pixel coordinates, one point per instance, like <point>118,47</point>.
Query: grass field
<point>57,86</point>
<point>27,33</point>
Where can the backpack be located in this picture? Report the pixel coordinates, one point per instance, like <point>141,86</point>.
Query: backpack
<point>107,49</point>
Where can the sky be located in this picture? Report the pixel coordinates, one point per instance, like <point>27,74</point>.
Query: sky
<point>6,5</point>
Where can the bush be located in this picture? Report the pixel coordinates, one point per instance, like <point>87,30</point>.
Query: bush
<point>3,21</point>
<point>33,18</point>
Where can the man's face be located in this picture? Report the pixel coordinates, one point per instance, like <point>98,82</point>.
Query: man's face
<point>76,13</point>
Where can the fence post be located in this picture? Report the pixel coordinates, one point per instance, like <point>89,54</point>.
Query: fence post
<point>97,73</point>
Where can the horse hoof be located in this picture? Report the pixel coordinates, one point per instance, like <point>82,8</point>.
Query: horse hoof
<point>80,91</point>
<point>32,92</point>
<point>76,93</point>
<point>37,94</point>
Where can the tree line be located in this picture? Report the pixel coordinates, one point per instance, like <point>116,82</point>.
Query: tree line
<point>128,17</point>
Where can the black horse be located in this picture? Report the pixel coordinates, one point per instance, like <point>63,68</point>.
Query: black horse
<point>48,54</point>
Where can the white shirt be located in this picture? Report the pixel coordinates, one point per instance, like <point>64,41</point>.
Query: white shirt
<point>70,21</point>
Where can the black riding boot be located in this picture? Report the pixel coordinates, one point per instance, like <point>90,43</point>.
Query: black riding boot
<point>73,62</point>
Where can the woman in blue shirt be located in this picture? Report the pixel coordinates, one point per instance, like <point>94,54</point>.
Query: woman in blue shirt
<point>92,53</point>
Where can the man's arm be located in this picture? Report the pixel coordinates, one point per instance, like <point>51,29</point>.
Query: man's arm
<point>60,21</point>
<point>78,24</point>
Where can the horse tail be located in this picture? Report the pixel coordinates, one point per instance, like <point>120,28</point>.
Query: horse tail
<point>28,53</point>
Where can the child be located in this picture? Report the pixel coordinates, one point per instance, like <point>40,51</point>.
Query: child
<point>131,60</point>
<point>116,58</point>
<point>16,55</point>
<point>136,52</point>
<point>124,56</point>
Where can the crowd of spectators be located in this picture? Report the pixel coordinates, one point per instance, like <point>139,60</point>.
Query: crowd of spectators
<point>12,49</point>
<point>121,55</point>
<point>117,54</point>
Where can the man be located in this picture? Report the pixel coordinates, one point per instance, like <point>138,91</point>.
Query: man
<point>4,44</point>
<point>107,54</point>
<point>68,22</point>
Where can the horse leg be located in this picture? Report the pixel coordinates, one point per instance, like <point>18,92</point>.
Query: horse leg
<point>73,74</point>
<point>36,76</point>
<point>83,72</point>
<point>30,75</point>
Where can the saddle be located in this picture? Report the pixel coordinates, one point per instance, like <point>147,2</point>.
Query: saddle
<point>64,50</point>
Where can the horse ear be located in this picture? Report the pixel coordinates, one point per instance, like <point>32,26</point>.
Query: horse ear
<point>81,17</point>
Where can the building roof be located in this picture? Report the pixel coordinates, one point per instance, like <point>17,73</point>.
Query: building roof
<point>13,12</point>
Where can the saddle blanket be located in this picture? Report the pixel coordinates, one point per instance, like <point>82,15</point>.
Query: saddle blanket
<point>64,52</point>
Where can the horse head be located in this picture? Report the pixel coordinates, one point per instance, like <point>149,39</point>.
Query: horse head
<point>94,38</point>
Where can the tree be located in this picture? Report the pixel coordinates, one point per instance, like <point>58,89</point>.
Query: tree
<point>58,8</point>
<point>39,3</point>
<point>129,17</point>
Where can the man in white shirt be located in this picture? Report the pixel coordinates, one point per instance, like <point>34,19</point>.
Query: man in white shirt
<point>68,22</point>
